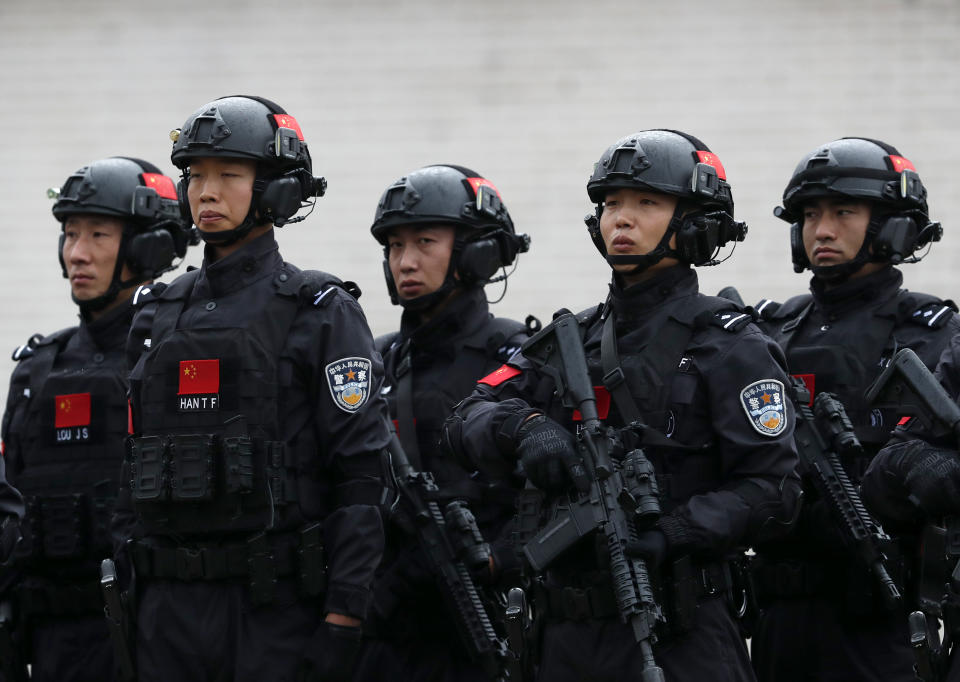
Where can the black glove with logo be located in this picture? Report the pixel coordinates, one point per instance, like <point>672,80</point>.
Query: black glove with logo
<point>910,477</point>
<point>331,654</point>
<point>548,453</point>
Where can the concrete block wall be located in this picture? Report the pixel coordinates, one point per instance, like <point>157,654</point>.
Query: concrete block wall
<point>528,93</point>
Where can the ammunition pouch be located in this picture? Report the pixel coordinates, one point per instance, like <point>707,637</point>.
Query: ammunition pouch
<point>681,588</point>
<point>68,526</point>
<point>259,562</point>
<point>239,481</point>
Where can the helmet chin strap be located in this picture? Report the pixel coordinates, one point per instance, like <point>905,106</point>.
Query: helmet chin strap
<point>662,250</point>
<point>450,283</point>
<point>98,303</point>
<point>837,274</point>
<point>232,236</point>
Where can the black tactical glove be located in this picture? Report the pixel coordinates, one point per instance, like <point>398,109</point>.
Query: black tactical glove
<point>548,453</point>
<point>650,545</point>
<point>330,654</point>
<point>912,475</point>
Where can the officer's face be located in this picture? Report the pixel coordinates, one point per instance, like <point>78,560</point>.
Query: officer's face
<point>633,222</point>
<point>219,192</point>
<point>90,247</point>
<point>419,257</point>
<point>833,229</point>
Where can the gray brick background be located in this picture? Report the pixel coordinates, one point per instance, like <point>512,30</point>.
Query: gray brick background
<point>528,93</point>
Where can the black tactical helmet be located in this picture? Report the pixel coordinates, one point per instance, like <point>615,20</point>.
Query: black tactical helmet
<point>145,199</point>
<point>461,198</point>
<point>247,127</point>
<point>864,170</point>
<point>678,164</point>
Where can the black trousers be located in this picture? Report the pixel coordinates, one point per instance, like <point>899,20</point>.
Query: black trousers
<point>605,651</point>
<point>414,661</point>
<point>210,632</point>
<point>71,650</point>
<point>807,640</point>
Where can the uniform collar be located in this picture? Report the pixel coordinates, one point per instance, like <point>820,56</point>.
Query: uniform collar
<point>110,329</point>
<point>462,315</point>
<point>871,290</point>
<point>251,262</point>
<point>638,300</point>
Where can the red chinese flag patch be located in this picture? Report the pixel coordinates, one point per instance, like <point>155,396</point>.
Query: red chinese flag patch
<point>711,159</point>
<point>901,164</point>
<point>499,376</point>
<point>72,410</point>
<point>810,381</point>
<point>288,121</point>
<point>904,421</point>
<point>602,396</point>
<point>477,183</point>
<point>199,376</point>
<point>161,183</point>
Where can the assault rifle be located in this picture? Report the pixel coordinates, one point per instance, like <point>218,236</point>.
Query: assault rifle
<point>117,622</point>
<point>611,505</point>
<point>908,387</point>
<point>823,435</point>
<point>448,542</point>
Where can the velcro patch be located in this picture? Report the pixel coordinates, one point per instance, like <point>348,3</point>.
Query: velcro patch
<point>500,375</point>
<point>349,382</point>
<point>763,403</point>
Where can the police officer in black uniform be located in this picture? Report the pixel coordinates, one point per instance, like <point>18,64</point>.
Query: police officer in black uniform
<point>254,473</point>
<point>445,233</point>
<point>856,208</point>
<point>708,385</point>
<point>66,417</point>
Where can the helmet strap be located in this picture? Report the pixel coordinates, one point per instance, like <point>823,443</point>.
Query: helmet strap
<point>232,236</point>
<point>837,274</point>
<point>100,302</point>
<point>662,250</point>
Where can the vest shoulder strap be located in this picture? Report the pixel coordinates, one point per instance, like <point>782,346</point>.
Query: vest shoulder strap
<point>37,341</point>
<point>926,310</point>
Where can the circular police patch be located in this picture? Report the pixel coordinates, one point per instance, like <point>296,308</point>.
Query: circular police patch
<point>349,382</point>
<point>763,402</point>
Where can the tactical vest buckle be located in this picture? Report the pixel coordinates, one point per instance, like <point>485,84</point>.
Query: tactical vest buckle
<point>192,467</point>
<point>238,464</point>
<point>147,469</point>
<point>613,378</point>
<point>63,522</point>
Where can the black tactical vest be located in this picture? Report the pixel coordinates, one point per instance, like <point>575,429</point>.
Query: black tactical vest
<point>72,438</point>
<point>209,459</point>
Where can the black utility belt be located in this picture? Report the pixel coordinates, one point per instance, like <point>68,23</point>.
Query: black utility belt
<point>259,561</point>
<point>797,579</point>
<point>200,467</point>
<point>69,526</point>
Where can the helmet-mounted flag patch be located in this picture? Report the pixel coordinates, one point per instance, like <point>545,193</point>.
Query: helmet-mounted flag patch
<point>161,183</point>
<point>288,121</point>
<point>901,164</point>
<point>477,183</point>
<point>763,403</point>
<point>711,159</point>
<point>349,382</point>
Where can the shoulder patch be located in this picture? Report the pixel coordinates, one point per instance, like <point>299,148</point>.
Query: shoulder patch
<point>349,382</point>
<point>147,292</point>
<point>26,350</point>
<point>732,320</point>
<point>767,308</point>
<point>934,315</point>
<point>763,403</point>
<point>500,375</point>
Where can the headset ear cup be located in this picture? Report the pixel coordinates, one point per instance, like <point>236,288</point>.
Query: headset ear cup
<point>798,253</point>
<point>60,243</point>
<point>183,201</point>
<point>479,260</point>
<point>280,199</point>
<point>150,253</point>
